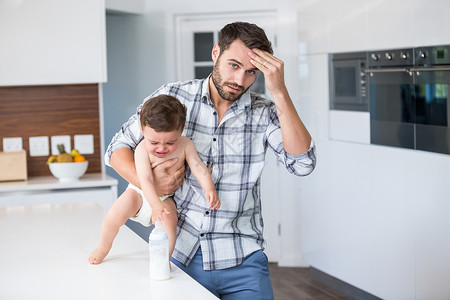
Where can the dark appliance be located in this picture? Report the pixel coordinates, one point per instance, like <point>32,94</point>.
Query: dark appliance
<point>392,114</point>
<point>432,103</point>
<point>409,105</point>
<point>348,87</point>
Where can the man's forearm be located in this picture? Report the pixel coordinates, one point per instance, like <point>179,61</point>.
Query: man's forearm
<point>296,138</point>
<point>165,182</point>
<point>122,161</point>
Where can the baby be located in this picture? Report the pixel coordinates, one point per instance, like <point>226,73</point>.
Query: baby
<point>162,121</point>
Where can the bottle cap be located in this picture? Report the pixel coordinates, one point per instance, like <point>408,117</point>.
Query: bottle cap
<point>158,232</point>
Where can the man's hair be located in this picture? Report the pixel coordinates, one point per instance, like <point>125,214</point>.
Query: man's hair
<point>250,34</point>
<point>163,113</point>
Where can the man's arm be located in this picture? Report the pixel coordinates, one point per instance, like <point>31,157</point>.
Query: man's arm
<point>296,138</point>
<point>122,161</point>
<point>166,177</point>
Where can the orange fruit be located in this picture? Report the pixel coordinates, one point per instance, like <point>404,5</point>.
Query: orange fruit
<point>79,158</point>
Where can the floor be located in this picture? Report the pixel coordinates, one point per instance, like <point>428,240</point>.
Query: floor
<point>295,284</point>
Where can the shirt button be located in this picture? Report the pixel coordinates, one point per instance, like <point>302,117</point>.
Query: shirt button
<point>214,113</point>
<point>202,235</point>
<point>214,139</point>
<point>207,212</point>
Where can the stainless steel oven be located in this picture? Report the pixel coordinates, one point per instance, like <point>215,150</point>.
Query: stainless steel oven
<point>409,103</point>
<point>348,87</point>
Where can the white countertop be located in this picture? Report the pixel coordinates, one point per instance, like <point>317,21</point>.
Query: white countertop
<point>44,251</point>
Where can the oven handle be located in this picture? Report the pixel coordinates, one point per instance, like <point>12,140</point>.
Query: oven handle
<point>410,71</point>
<point>430,69</point>
<point>386,70</point>
<point>407,70</point>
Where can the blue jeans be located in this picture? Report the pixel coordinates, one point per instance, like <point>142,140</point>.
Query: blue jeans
<point>248,281</point>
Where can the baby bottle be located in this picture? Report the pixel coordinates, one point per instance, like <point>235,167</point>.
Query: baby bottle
<point>159,253</point>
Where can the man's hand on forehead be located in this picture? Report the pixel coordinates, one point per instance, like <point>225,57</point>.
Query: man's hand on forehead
<point>272,67</point>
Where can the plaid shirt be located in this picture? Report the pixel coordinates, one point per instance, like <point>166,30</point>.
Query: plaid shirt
<point>234,150</point>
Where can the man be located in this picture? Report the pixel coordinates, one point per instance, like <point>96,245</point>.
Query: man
<point>231,129</point>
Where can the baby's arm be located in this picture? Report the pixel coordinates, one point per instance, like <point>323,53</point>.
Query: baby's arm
<point>145,175</point>
<point>202,174</point>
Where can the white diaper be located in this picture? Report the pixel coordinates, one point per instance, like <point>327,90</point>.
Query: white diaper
<point>144,214</point>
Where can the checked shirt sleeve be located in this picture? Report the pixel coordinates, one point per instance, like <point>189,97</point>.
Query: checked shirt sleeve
<point>301,164</point>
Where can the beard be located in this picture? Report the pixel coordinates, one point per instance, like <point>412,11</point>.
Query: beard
<point>220,86</point>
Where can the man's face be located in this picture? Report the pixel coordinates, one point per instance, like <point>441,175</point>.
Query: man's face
<point>233,73</point>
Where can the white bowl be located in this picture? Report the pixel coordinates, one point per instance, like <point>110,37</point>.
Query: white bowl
<point>69,171</point>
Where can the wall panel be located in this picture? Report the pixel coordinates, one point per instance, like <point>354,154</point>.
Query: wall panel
<point>27,111</point>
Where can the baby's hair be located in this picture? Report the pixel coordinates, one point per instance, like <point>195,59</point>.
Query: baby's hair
<point>163,113</point>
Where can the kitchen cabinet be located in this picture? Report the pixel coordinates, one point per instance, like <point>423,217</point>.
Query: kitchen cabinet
<point>390,24</point>
<point>432,226</point>
<point>348,23</point>
<point>52,42</point>
<point>333,25</point>
<point>431,22</point>
<point>92,187</point>
<point>328,26</point>
<point>313,26</point>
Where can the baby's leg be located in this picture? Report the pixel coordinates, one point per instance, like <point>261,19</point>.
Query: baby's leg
<point>125,207</point>
<point>169,223</point>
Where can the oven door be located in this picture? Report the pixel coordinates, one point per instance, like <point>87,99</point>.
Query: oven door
<point>348,86</point>
<point>432,109</point>
<point>392,111</point>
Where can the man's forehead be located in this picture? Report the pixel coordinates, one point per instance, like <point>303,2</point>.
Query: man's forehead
<point>237,53</point>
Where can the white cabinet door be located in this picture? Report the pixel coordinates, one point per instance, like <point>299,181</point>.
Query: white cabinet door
<point>313,26</point>
<point>52,42</point>
<point>390,24</point>
<point>431,22</point>
<point>347,22</point>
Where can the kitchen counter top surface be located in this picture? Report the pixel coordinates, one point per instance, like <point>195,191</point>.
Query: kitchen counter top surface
<point>44,251</point>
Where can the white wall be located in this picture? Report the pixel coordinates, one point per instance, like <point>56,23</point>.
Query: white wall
<point>136,55</point>
<point>135,67</point>
<point>376,217</point>
<point>129,6</point>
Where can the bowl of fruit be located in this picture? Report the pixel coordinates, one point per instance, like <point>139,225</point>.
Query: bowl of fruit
<point>67,166</point>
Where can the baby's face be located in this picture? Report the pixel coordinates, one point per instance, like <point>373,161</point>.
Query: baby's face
<point>160,144</point>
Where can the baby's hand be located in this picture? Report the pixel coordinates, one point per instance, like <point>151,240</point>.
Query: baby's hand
<point>158,211</point>
<point>213,199</point>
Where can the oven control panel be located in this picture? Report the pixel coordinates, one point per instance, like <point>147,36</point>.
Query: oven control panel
<point>390,58</point>
<point>432,56</point>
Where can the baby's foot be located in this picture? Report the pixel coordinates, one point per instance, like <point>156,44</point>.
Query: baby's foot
<point>97,256</point>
